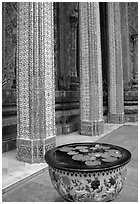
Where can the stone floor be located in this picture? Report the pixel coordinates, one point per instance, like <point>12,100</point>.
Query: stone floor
<point>22,182</point>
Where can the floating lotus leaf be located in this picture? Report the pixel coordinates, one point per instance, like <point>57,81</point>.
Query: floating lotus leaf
<point>97,155</point>
<point>105,147</point>
<point>105,155</point>
<point>72,153</point>
<point>93,148</point>
<point>85,158</point>
<point>91,154</point>
<point>101,154</point>
<point>114,153</point>
<point>118,154</point>
<point>109,159</point>
<point>83,150</point>
<point>77,157</point>
<point>91,163</point>
<point>81,147</point>
<point>92,158</point>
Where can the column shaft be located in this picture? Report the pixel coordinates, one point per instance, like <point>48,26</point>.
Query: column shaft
<point>91,96</point>
<point>135,70</point>
<point>35,77</point>
<point>116,98</point>
<point>125,42</point>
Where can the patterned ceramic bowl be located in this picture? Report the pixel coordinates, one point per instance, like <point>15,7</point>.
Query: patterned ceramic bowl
<point>83,172</point>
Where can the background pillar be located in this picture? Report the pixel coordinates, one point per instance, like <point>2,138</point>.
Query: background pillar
<point>35,81</point>
<point>135,70</point>
<point>125,43</point>
<point>91,95</point>
<point>115,91</point>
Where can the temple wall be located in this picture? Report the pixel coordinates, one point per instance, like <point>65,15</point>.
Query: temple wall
<point>67,86</point>
<point>9,42</point>
<point>131,87</point>
<point>65,39</point>
<point>133,33</point>
<point>133,17</point>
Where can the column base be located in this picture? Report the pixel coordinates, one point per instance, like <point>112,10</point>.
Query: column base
<point>33,151</point>
<point>92,128</point>
<point>116,118</point>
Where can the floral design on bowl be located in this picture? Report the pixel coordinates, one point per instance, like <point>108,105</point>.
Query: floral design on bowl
<point>81,187</point>
<point>97,175</point>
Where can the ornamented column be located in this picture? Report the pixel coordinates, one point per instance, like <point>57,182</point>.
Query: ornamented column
<point>125,42</point>
<point>56,43</point>
<point>115,92</point>
<point>91,94</point>
<point>135,69</point>
<point>35,77</point>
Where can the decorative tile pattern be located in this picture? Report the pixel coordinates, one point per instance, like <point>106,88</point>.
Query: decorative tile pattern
<point>125,42</point>
<point>133,33</point>
<point>92,128</point>
<point>116,101</point>
<point>90,68</point>
<point>35,87</point>
<point>23,71</point>
<point>88,187</point>
<point>33,151</point>
<point>116,118</point>
<point>9,24</point>
<point>49,69</point>
<point>9,96</point>
<point>56,43</point>
<point>112,62</point>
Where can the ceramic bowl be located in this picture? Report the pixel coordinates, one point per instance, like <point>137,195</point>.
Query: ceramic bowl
<point>88,172</point>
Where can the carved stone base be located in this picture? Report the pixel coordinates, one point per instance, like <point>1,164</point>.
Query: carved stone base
<point>92,128</point>
<point>116,118</point>
<point>33,151</point>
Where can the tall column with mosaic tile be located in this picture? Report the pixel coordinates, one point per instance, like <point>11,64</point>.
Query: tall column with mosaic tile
<point>35,77</point>
<point>127,67</point>
<point>91,95</point>
<point>115,92</point>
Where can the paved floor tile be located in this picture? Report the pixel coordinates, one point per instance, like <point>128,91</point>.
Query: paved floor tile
<point>40,188</point>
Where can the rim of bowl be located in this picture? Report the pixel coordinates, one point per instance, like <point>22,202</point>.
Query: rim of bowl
<point>51,161</point>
